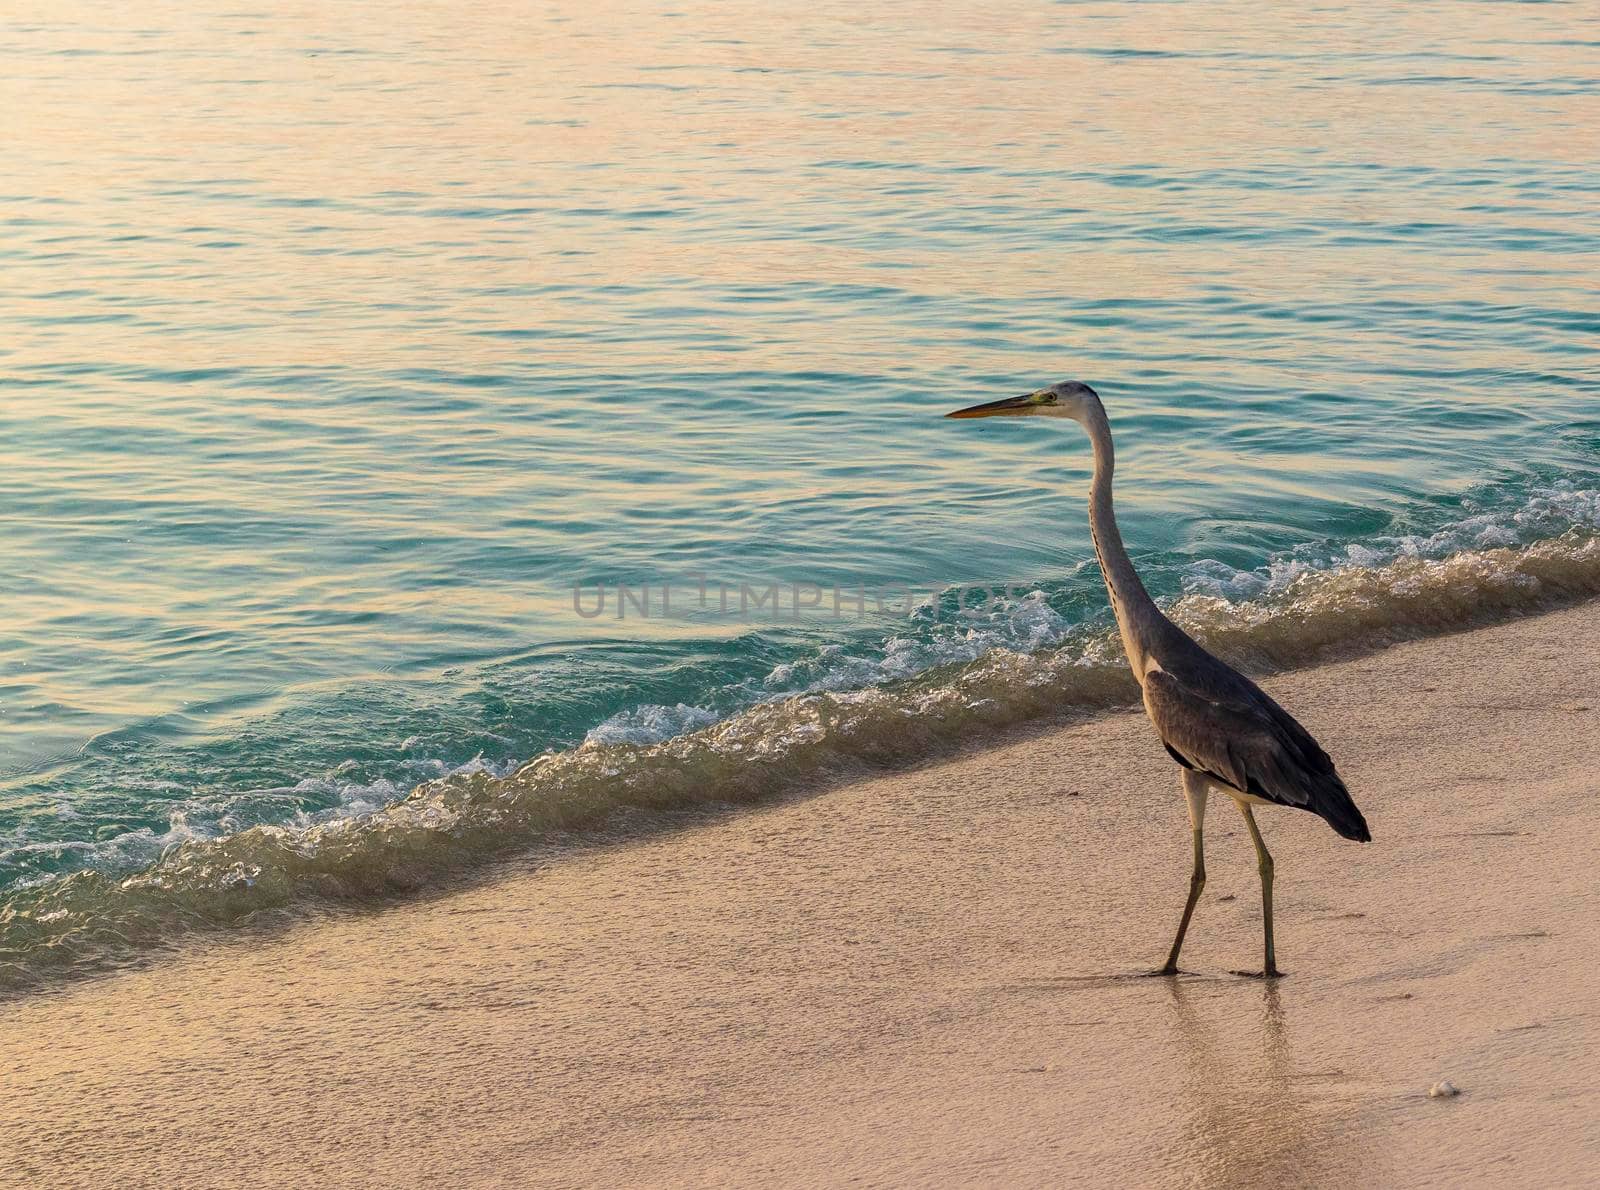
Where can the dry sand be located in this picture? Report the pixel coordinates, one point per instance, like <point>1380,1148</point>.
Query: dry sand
<point>928,978</point>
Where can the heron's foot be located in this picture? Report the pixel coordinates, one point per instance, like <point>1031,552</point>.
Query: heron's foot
<point>1169,969</point>
<point>1269,973</point>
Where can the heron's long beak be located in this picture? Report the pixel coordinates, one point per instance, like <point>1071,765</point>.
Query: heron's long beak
<point>1005,407</point>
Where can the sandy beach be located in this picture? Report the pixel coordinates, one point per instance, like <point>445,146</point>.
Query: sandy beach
<point>924,978</point>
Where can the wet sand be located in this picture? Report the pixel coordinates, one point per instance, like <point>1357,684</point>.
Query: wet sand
<point>926,978</point>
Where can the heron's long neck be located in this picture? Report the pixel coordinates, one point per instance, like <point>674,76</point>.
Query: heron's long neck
<point>1137,614</point>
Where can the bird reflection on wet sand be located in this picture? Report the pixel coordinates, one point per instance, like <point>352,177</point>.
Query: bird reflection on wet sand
<point>1256,1113</point>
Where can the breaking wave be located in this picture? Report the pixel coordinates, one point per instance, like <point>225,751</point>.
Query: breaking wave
<point>829,716</point>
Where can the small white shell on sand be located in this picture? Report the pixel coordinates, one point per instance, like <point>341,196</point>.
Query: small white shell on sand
<point>1443,1089</point>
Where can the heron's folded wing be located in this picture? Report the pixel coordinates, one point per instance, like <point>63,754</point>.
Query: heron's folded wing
<point>1233,735</point>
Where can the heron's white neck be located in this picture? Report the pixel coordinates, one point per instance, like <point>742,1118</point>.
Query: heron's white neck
<point>1137,614</point>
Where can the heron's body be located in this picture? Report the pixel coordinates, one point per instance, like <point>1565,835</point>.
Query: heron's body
<point>1222,729</point>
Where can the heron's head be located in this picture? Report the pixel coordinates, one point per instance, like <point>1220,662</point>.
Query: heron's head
<point>1069,398</point>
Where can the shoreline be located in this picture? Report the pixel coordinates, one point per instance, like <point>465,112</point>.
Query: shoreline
<point>458,829</point>
<point>926,976</point>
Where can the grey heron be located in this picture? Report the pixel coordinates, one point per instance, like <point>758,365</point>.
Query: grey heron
<point>1220,727</point>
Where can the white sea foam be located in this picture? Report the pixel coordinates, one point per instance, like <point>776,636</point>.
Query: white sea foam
<point>649,724</point>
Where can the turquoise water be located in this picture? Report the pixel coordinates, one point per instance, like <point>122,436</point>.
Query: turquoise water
<point>342,347</point>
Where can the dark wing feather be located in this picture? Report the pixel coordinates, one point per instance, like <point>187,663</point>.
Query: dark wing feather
<point>1220,723</point>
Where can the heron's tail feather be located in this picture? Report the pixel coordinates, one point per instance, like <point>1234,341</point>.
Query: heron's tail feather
<point>1336,806</point>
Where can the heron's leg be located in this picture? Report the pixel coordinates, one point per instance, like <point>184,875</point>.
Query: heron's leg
<point>1194,792</point>
<point>1264,865</point>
